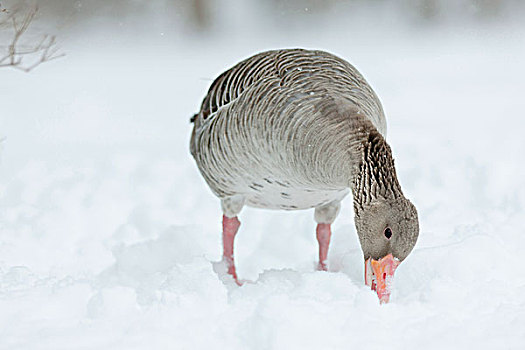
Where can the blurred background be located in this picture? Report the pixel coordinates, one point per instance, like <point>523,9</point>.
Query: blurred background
<point>228,22</point>
<point>206,17</point>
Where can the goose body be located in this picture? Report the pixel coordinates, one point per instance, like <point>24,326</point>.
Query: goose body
<point>296,129</point>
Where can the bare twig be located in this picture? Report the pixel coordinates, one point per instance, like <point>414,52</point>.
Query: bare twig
<point>15,54</point>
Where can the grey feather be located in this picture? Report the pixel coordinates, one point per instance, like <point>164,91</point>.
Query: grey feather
<point>295,129</point>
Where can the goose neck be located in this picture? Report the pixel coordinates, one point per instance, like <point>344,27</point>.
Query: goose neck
<point>375,177</point>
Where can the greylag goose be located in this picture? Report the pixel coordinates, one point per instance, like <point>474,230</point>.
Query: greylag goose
<point>297,129</point>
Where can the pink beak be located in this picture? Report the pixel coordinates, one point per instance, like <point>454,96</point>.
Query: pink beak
<point>379,275</point>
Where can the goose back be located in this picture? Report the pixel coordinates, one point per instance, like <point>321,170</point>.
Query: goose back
<point>279,128</point>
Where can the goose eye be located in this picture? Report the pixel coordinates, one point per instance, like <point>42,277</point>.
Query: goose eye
<point>388,232</point>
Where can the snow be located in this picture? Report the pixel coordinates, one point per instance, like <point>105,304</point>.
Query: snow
<point>110,239</point>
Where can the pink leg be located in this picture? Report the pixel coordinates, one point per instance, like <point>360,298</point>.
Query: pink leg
<point>323,237</point>
<point>229,230</point>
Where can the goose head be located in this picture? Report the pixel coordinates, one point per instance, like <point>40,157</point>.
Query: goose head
<point>388,230</point>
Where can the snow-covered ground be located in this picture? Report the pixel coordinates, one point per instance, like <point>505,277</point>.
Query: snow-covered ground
<point>109,237</point>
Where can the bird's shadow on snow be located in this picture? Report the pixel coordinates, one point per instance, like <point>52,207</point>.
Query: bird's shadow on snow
<point>180,261</point>
<point>174,262</point>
